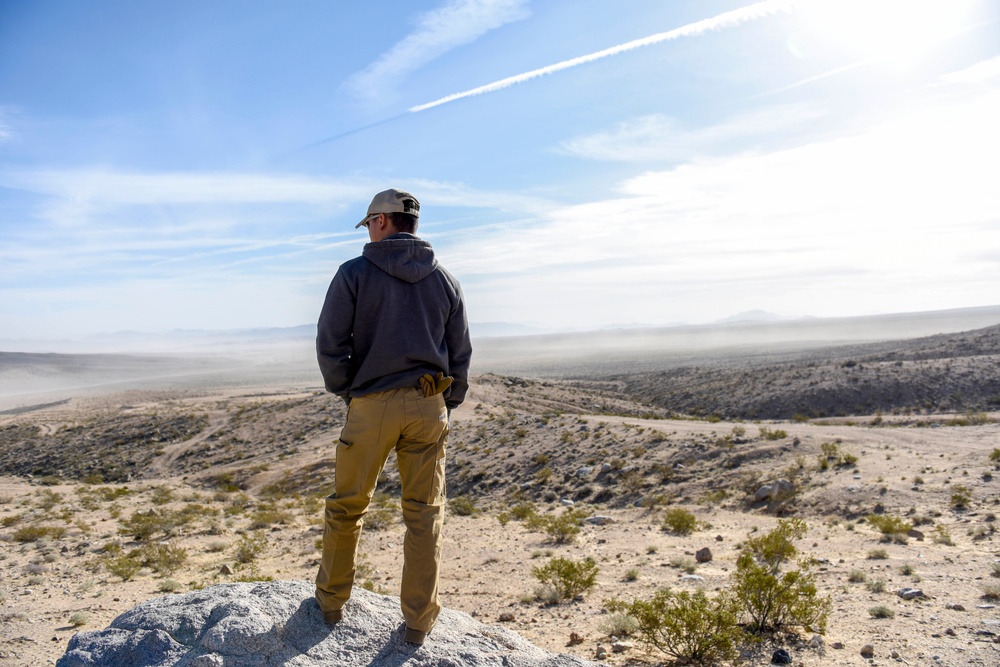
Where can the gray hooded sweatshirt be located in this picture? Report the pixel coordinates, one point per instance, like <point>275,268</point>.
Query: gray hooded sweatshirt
<point>390,316</point>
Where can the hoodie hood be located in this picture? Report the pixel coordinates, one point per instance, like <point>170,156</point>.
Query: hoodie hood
<point>402,256</point>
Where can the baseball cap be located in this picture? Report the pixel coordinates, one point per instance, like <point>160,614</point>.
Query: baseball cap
<point>392,201</point>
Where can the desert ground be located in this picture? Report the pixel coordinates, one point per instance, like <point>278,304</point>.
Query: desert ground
<point>112,495</point>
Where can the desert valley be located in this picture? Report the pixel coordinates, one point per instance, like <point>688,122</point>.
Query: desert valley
<point>130,476</point>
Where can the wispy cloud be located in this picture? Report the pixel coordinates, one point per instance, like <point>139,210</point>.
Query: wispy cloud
<point>983,72</point>
<point>898,216</point>
<point>658,137</point>
<point>454,24</point>
<point>724,20</point>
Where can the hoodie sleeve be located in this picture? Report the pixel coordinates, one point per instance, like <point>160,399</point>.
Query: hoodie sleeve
<point>459,350</point>
<point>334,340</point>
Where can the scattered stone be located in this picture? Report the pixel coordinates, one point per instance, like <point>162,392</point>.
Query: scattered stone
<point>621,647</point>
<point>779,489</point>
<point>506,617</point>
<point>986,606</point>
<point>599,520</point>
<point>837,645</point>
<point>915,534</point>
<point>602,652</point>
<point>954,607</point>
<point>584,471</point>
<point>225,569</point>
<point>703,555</point>
<point>718,538</point>
<point>910,593</point>
<point>816,641</point>
<point>867,651</point>
<point>692,577</point>
<point>574,639</point>
<point>951,632</point>
<point>279,623</point>
<point>567,502</point>
<point>605,467</point>
<point>894,655</point>
<point>781,657</point>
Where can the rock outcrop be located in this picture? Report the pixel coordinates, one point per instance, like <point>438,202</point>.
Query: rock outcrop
<point>274,623</point>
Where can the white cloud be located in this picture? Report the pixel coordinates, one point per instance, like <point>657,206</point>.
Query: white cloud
<point>439,31</point>
<point>983,72</point>
<point>899,216</point>
<point>658,137</point>
<point>724,20</point>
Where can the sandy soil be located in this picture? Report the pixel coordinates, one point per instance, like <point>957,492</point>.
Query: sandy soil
<point>249,472</point>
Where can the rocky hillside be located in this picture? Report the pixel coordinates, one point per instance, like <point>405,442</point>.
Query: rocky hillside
<point>946,373</point>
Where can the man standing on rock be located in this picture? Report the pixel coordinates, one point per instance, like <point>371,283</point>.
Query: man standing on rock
<point>393,342</point>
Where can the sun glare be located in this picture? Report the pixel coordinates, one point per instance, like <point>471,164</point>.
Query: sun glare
<point>896,33</point>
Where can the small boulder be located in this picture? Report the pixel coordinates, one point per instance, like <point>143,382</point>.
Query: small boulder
<point>599,520</point>
<point>703,555</point>
<point>225,569</point>
<point>910,593</point>
<point>781,657</point>
<point>868,651</point>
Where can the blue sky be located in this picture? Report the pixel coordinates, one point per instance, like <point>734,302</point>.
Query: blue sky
<point>580,164</point>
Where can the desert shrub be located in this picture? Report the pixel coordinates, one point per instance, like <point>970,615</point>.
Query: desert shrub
<point>878,554</point>
<point>881,611</point>
<point>832,454</point>
<point>995,455</point>
<point>679,521</point>
<point>942,536</point>
<point>564,528</point>
<point>631,574</point>
<point>170,586</point>
<point>143,525</point>
<point>523,510</point>
<point>772,434</point>
<point>961,496</point>
<point>876,586</point>
<point>769,598</point>
<point>47,499</point>
<point>463,506</point>
<point>162,558</point>
<point>543,475</point>
<point>567,577</point>
<point>686,626</point>
<point>857,576</point>
<point>125,566</point>
<point>35,532</point>
<point>249,573</point>
<point>11,520</point>
<point>381,518</point>
<point>267,515</point>
<point>249,547</point>
<point>995,570</point>
<point>618,625</point>
<point>79,618</point>
<point>991,592</point>
<point>162,495</point>
<point>684,563</point>
<point>893,528</point>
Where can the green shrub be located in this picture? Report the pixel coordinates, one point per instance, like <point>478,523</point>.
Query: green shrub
<point>942,536</point>
<point>123,565</point>
<point>893,528</point>
<point>961,496</point>
<point>463,506</point>
<point>769,434</point>
<point>143,525</point>
<point>381,518</point>
<point>686,626</point>
<point>35,532</point>
<point>162,558</point>
<point>564,528</point>
<point>679,521</point>
<point>79,618</point>
<point>249,547</point>
<point>877,586</point>
<point>618,625</point>
<point>523,510</point>
<point>878,554</point>
<point>881,611</point>
<point>769,598</point>
<point>857,576</point>
<point>568,578</point>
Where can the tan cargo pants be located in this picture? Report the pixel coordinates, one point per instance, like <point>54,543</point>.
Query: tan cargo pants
<point>417,428</point>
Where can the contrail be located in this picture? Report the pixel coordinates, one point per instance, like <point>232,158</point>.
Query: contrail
<point>724,20</point>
